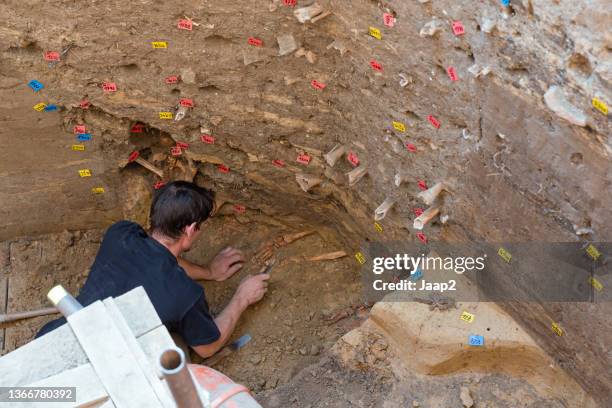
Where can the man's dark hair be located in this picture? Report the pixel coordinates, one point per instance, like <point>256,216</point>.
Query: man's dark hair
<point>179,204</point>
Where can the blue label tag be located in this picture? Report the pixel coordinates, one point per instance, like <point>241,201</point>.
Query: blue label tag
<point>505,3</point>
<point>476,340</point>
<point>50,108</point>
<point>415,276</point>
<point>84,136</point>
<point>35,85</point>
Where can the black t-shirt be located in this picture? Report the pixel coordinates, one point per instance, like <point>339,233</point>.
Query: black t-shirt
<point>129,258</point>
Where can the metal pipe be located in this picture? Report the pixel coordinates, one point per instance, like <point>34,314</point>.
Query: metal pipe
<point>11,317</point>
<point>63,301</point>
<point>172,366</point>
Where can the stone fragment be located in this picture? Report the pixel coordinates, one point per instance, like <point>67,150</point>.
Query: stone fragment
<point>466,397</point>
<point>286,44</point>
<point>314,350</point>
<point>311,57</point>
<point>430,28</point>
<point>556,102</point>
<point>304,14</point>
<point>307,181</point>
<point>188,76</point>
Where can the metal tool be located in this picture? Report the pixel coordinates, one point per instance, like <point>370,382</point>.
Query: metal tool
<point>227,350</point>
<point>269,266</point>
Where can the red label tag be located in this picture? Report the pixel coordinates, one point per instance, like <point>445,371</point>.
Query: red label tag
<point>278,163</point>
<point>317,85</point>
<point>388,19</point>
<point>159,185</point>
<point>422,237</point>
<point>422,185</point>
<point>133,156</point>
<point>172,79</point>
<point>109,87</point>
<point>185,25</point>
<point>255,42</point>
<point>240,209</point>
<point>411,147</point>
<point>452,74</point>
<point>458,28</point>
<point>433,121</point>
<point>176,150</point>
<point>353,159</point>
<point>186,102</point>
<point>290,3</point>
<point>79,129</point>
<point>418,211</point>
<point>183,145</point>
<point>137,128</point>
<point>52,56</point>
<point>376,65</point>
<point>303,158</point>
<point>223,168</point>
<point>84,104</point>
<point>208,139</point>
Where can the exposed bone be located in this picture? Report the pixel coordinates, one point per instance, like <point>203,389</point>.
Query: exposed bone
<point>307,181</point>
<point>429,196</point>
<point>424,218</point>
<point>320,17</point>
<point>334,154</point>
<point>430,29</point>
<point>327,257</point>
<point>307,13</point>
<point>150,167</point>
<point>180,113</point>
<point>400,178</point>
<point>356,174</point>
<point>335,176</point>
<point>403,80</point>
<point>383,209</point>
<point>289,238</point>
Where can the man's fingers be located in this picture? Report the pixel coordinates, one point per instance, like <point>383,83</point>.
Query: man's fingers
<point>232,259</point>
<point>264,276</point>
<point>235,268</point>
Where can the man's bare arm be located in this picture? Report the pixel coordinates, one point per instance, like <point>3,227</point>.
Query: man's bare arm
<point>226,263</point>
<point>195,271</point>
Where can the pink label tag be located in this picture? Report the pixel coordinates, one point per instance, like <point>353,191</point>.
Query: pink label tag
<point>317,85</point>
<point>412,148</point>
<point>256,42</point>
<point>422,237</point>
<point>353,159</point>
<point>422,185</point>
<point>376,65</point>
<point>458,28</point>
<point>303,158</point>
<point>186,102</point>
<point>290,3</point>
<point>133,156</point>
<point>418,211</point>
<point>388,19</point>
<point>52,56</point>
<point>433,121</point>
<point>183,145</point>
<point>137,128</point>
<point>278,163</point>
<point>452,74</point>
<point>208,139</point>
<point>79,129</point>
<point>223,168</point>
<point>109,87</point>
<point>159,184</point>
<point>84,104</point>
<point>240,209</point>
<point>176,150</point>
<point>185,25</point>
<point>172,79</point>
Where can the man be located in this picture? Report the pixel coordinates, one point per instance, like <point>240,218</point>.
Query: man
<point>128,257</point>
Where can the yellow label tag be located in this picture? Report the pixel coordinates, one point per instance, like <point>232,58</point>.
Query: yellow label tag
<point>78,147</point>
<point>98,190</point>
<point>40,106</point>
<point>596,284</point>
<point>600,105</point>
<point>557,329</point>
<point>85,173</point>
<point>360,258</point>
<point>165,115</point>
<point>399,126</point>
<point>467,317</point>
<point>378,227</point>
<point>505,255</point>
<point>375,32</point>
<point>593,252</point>
<point>159,44</point>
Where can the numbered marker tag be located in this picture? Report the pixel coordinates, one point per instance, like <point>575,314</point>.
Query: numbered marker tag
<point>303,159</point>
<point>208,139</point>
<point>172,79</point>
<point>411,148</point>
<point>183,145</point>
<point>278,163</point>
<point>399,126</point>
<point>458,28</point>
<point>176,151</point>
<point>433,121</point>
<point>467,317</point>
<point>422,185</point>
<point>378,227</point>
<point>593,252</point>
<point>360,258</point>
<point>85,173</point>
<point>416,275</point>
<point>50,108</point>
<point>186,102</point>
<point>98,190</point>
<point>133,156</point>
<point>476,340</point>
<point>375,32</point>
<point>137,128</point>
<point>256,42</point>
<point>505,3</point>
<point>557,329</point>
<point>84,137</point>
<point>35,85</point>
<point>239,209</point>
<point>84,104</point>
<point>52,56</point>
<point>40,107</point>
<point>185,25</point>
<point>159,44</point>
<point>317,85</point>
<point>600,105</point>
<point>421,237</point>
<point>452,74</point>
<point>109,87</point>
<point>78,148</point>
<point>223,168</point>
<point>596,284</point>
<point>79,129</point>
<point>388,19</point>
<point>166,115</point>
<point>376,66</point>
<point>353,159</point>
<point>290,3</point>
<point>505,255</point>
<point>418,211</point>
<point>159,184</point>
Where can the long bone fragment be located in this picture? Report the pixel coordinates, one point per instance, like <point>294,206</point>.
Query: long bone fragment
<point>383,209</point>
<point>334,154</point>
<point>430,195</point>
<point>307,181</point>
<point>424,218</point>
<point>356,174</point>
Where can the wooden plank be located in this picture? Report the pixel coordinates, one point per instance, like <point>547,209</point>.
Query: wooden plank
<point>111,358</point>
<point>3,301</point>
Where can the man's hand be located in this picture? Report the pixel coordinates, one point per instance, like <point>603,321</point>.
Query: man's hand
<point>252,289</point>
<point>226,263</point>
